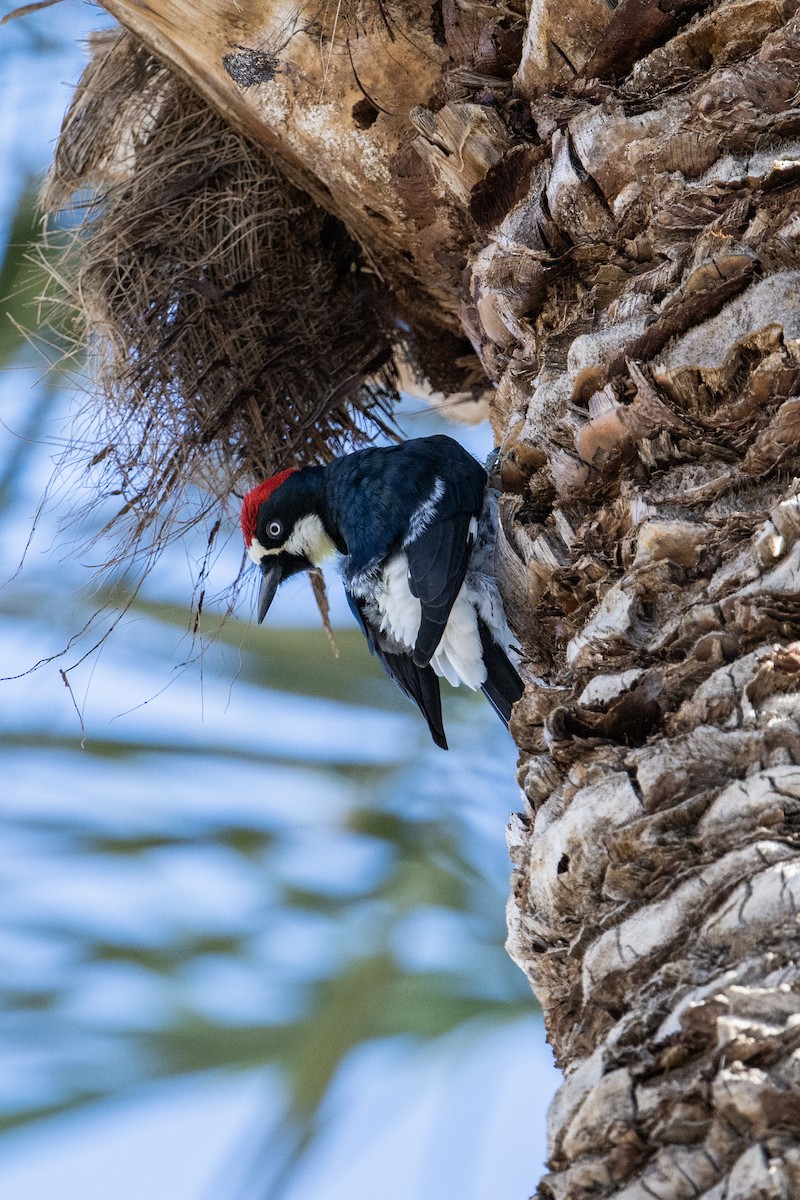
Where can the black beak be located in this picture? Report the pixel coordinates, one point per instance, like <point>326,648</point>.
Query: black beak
<point>272,570</point>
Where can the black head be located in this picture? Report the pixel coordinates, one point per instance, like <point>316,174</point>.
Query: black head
<point>283,529</point>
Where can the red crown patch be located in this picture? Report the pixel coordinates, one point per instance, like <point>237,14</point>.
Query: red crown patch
<point>254,499</point>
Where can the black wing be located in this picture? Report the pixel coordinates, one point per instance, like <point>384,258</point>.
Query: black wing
<point>437,564</point>
<point>420,684</point>
<point>377,496</point>
<point>439,556</point>
<point>372,495</point>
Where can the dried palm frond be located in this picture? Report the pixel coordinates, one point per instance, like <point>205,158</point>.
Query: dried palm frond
<point>232,326</point>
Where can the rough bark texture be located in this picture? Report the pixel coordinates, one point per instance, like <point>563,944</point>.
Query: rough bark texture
<point>653,560</point>
<point>604,198</point>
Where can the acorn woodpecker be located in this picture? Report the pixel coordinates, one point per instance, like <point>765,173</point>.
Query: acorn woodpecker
<point>414,526</point>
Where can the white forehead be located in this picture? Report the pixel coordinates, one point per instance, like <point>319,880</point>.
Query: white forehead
<point>256,551</point>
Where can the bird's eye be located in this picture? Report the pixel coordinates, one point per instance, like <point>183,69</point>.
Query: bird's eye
<point>275,529</point>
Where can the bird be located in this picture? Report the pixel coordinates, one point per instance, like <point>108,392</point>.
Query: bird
<point>414,527</point>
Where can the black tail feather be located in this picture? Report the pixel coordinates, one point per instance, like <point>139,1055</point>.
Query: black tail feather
<point>421,685</point>
<point>503,686</point>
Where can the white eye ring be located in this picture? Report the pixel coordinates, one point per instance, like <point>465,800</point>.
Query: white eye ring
<point>275,529</point>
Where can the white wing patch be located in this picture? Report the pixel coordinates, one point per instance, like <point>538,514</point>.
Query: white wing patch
<point>424,514</point>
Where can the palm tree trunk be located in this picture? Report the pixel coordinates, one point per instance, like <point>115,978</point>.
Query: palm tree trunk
<point>604,199</point>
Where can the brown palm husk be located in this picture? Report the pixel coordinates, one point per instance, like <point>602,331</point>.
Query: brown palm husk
<point>233,328</point>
